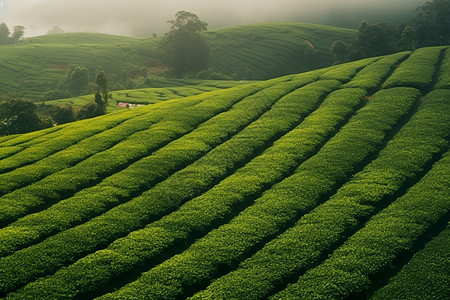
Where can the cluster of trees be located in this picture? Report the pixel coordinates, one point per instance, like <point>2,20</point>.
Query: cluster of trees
<point>431,27</point>
<point>79,81</point>
<point>183,48</point>
<point>21,115</point>
<point>6,37</point>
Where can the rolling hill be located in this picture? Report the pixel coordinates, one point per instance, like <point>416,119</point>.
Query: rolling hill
<point>329,184</point>
<point>38,64</point>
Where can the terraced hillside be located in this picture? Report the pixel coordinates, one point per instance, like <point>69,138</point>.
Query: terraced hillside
<point>170,89</point>
<point>265,51</point>
<point>330,184</point>
<point>38,64</point>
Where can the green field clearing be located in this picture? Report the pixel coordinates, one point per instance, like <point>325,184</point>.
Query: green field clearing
<point>328,184</point>
<point>36,65</point>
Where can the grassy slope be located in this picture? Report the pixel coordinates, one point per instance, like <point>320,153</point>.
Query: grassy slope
<point>37,64</point>
<point>229,194</point>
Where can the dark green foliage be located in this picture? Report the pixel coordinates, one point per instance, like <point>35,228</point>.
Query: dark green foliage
<point>78,79</point>
<point>7,38</point>
<point>18,32</point>
<point>18,115</point>
<point>375,40</point>
<point>53,95</point>
<point>340,51</point>
<point>432,25</point>
<point>184,49</point>
<point>407,39</point>
<point>102,81</point>
<point>63,114</point>
<point>4,34</point>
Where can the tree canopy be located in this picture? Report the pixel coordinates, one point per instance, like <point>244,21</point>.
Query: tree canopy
<point>431,27</point>
<point>78,79</point>
<point>432,24</point>
<point>6,37</point>
<point>188,22</point>
<point>18,115</point>
<point>184,49</point>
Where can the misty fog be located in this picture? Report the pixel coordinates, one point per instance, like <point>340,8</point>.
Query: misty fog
<point>144,17</point>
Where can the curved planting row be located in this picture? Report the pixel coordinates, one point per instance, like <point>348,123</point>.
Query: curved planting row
<point>57,141</point>
<point>412,282</point>
<point>329,224</point>
<point>276,208</point>
<point>214,131</point>
<point>386,236</point>
<point>127,155</point>
<point>305,186</point>
<point>174,189</point>
<point>220,200</point>
<point>417,71</point>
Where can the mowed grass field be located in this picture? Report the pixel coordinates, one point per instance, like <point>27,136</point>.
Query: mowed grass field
<point>330,184</point>
<point>36,65</point>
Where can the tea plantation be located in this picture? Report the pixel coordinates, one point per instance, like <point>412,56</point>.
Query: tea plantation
<point>170,88</point>
<point>330,184</point>
<point>37,64</point>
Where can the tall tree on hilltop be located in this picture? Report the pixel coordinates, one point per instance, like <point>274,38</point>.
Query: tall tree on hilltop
<point>78,79</point>
<point>184,49</point>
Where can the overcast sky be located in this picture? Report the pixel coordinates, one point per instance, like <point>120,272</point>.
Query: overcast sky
<point>144,17</point>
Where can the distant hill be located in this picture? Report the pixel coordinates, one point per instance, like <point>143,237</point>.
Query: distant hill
<point>330,184</point>
<point>247,52</point>
<point>266,51</point>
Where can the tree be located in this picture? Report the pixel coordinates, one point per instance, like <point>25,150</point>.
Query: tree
<point>63,114</point>
<point>432,25</point>
<point>375,39</point>
<point>18,32</point>
<point>407,39</point>
<point>100,106</point>
<point>18,115</point>
<point>341,51</point>
<point>78,79</point>
<point>188,22</point>
<point>184,49</point>
<point>55,29</point>
<point>102,82</point>
<point>6,37</point>
<point>4,34</point>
